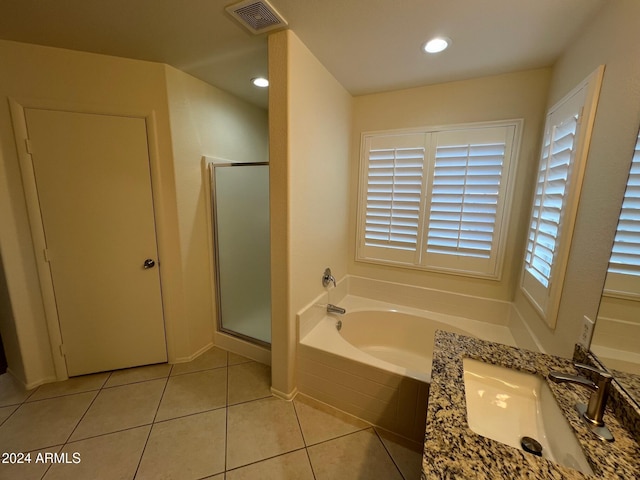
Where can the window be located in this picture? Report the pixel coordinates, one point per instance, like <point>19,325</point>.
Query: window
<point>436,199</point>
<point>559,178</point>
<point>623,276</point>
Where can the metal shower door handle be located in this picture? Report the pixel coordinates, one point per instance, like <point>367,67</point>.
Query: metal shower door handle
<point>148,263</point>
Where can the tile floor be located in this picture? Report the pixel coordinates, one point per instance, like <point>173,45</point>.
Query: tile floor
<point>211,418</point>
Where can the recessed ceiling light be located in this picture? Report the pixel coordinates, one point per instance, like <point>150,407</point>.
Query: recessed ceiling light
<point>260,82</point>
<point>436,45</point>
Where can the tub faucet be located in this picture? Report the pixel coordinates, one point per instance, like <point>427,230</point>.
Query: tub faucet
<point>335,309</point>
<point>327,278</point>
<point>594,412</point>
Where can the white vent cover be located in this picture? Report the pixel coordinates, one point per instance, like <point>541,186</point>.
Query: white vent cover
<point>257,16</point>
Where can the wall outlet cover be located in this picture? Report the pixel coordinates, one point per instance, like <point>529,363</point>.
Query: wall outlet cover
<point>586,332</point>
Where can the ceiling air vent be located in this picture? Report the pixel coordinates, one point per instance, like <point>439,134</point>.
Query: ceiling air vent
<point>257,16</point>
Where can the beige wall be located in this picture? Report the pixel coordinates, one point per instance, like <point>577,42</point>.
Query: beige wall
<point>516,95</point>
<point>74,80</point>
<point>612,39</point>
<point>311,111</point>
<point>205,121</point>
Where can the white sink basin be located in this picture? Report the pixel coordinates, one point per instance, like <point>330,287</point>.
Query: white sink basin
<point>506,405</point>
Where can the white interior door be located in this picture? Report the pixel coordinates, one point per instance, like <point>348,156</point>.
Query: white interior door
<point>94,188</point>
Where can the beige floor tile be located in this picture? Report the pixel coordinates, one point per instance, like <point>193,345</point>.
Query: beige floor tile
<point>291,466</point>
<point>358,455</point>
<point>185,448</point>
<point>12,392</point>
<point>215,477</point>
<point>212,358</point>
<point>406,454</point>
<point>320,422</point>
<point>235,359</point>
<point>43,424</point>
<point>84,383</point>
<point>194,393</point>
<point>249,381</point>
<point>5,412</point>
<point>119,408</point>
<point>29,471</point>
<point>113,456</point>
<point>138,374</point>
<point>261,429</point>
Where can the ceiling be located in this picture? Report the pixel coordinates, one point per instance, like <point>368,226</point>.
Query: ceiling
<point>368,45</point>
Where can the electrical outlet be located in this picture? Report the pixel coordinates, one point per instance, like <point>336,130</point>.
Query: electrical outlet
<point>586,332</point>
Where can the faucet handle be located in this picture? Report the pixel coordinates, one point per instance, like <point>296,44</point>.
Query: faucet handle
<point>602,375</point>
<point>328,278</point>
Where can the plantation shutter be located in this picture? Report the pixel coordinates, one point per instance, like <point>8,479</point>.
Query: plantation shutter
<point>467,199</point>
<point>623,276</point>
<point>464,200</point>
<point>563,157</point>
<point>394,183</point>
<point>436,199</point>
<point>551,188</point>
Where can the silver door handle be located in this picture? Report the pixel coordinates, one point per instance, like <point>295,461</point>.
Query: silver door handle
<point>148,263</point>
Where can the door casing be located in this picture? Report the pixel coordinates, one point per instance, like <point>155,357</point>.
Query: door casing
<point>17,107</point>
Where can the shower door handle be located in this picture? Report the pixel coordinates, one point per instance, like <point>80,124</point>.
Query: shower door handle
<point>148,263</point>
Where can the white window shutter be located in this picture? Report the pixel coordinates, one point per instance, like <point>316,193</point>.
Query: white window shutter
<point>394,189</point>
<point>623,277</point>
<point>436,199</point>
<point>464,200</point>
<point>551,188</point>
<point>564,151</point>
<point>471,173</point>
<point>392,183</point>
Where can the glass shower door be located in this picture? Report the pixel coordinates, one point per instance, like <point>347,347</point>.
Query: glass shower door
<point>242,249</point>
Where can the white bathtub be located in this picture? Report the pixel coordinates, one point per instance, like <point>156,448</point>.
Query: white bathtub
<point>378,366</point>
<point>395,338</point>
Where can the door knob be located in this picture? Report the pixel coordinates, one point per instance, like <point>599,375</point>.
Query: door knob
<point>148,263</point>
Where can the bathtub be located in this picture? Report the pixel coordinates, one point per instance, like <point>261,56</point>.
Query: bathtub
<point>378,365</point>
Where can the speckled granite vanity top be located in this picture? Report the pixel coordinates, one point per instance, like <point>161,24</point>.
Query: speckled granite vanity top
<point>453,451</point>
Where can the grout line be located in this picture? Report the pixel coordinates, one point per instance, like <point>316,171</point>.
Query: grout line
<point>226,422</point>
<point>82,417</point>
<point>388,452</point>
<point>51,463</point>
<point>304,440</point>
<point>11,414</point>
<point>264,460</point>
<point>146,442</point>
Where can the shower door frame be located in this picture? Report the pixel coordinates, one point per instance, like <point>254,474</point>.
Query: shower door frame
<point>212,164</point>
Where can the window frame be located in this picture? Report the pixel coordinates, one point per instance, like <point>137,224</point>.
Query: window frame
<point>545,300</point>
<point>418,260</point>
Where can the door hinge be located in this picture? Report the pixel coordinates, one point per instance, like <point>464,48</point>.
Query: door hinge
<point>63,351</point>
<point>45,252</point>
<point>27,144</point>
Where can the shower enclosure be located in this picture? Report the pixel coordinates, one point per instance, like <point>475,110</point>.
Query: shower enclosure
<point>240,210</point>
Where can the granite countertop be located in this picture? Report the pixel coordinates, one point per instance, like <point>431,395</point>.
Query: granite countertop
<point>453,451</point>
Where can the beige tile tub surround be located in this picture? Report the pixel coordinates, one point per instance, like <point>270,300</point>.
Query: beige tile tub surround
<point>265,438</point>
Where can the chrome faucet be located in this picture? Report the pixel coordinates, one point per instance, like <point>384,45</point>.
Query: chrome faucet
<point>335,309</point>
<point>594,412</point>
<point>327,278</point>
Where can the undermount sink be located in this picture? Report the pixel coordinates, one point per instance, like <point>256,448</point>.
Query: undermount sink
<point>507,405</point>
